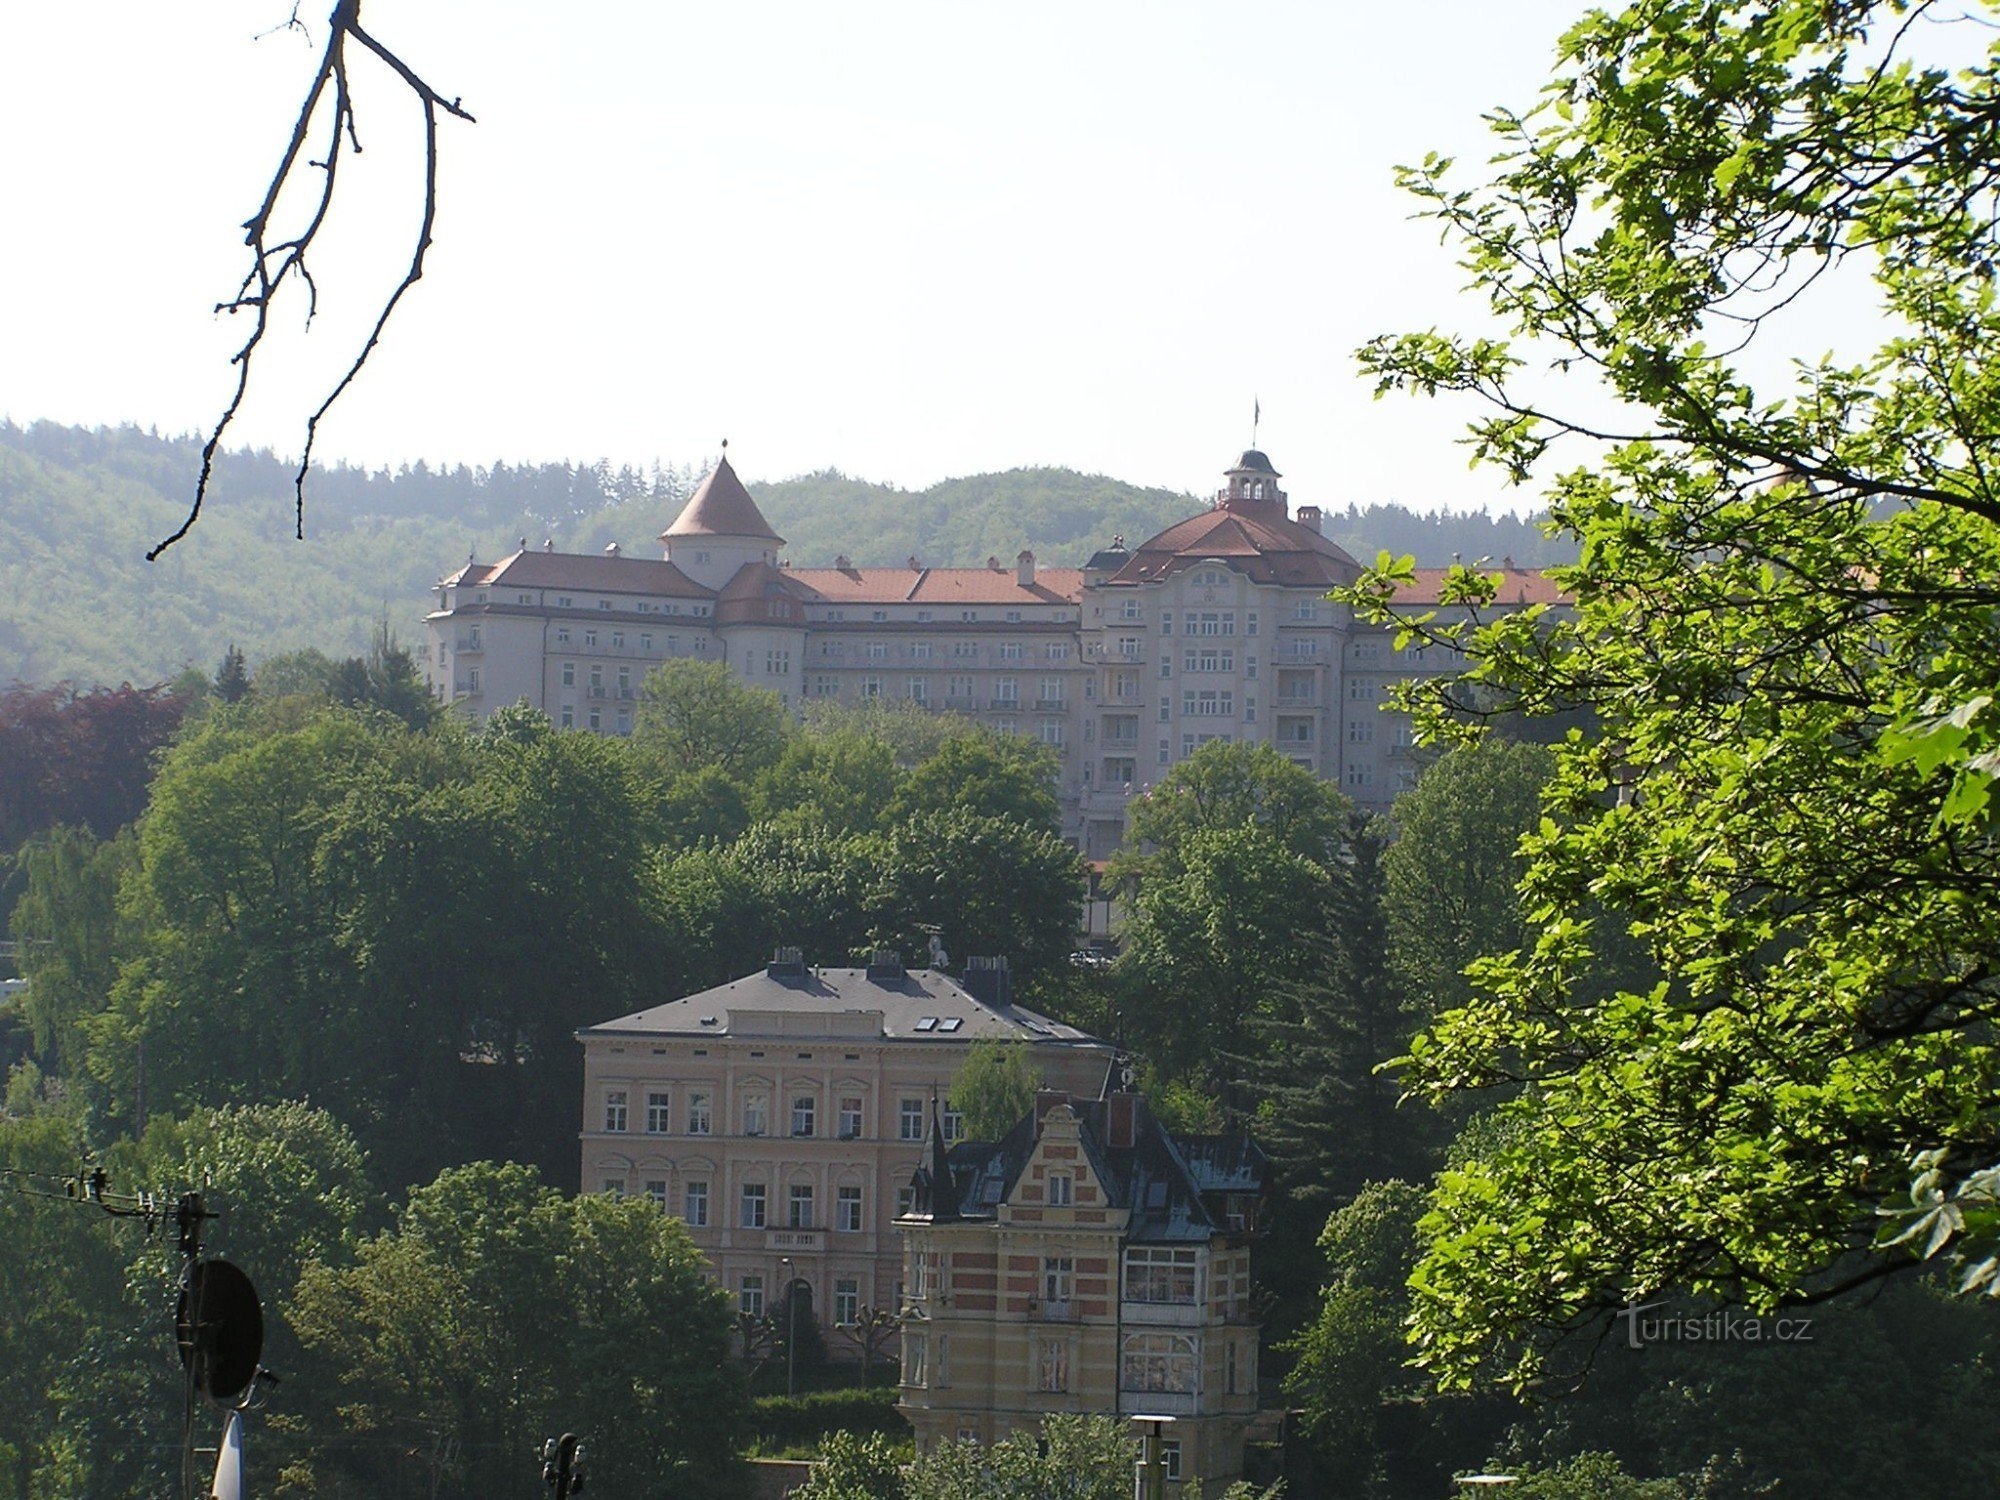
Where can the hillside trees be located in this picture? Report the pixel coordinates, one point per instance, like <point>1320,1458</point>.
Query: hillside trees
<point>1783,623</point>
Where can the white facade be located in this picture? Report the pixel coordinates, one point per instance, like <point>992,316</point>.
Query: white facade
<point>1218,628</point>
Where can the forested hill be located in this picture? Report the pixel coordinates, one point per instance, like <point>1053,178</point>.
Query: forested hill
<point>79,509</point>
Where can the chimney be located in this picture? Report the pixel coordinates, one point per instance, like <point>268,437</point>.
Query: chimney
<point>610,549</point>
<point>1121,1121</point>
<point>842,563</point>
<point>1024,570</point>
<point>548,544</point>
<point>1309,517</point>
<point>915,566</point>
<point>1046,1100</point>
<point>988,981</point>
<point>787,963</point>
<point>885,966</point>
<point>993,564</point>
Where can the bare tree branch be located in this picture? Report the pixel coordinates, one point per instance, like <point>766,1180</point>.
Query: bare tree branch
<point>273,261</point>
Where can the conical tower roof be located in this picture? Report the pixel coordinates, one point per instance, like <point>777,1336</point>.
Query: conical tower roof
<point>722,507</point>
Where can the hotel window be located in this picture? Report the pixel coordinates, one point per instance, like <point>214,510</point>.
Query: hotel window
<point>618,640</point>
<point>960,688</point>
<point>590,638</point>
<point>921,651</point>
<point>879,615</point>
<point>1059,651</point>
<point>1157,1362</point>
<point>624,682</point>
<point>569,674</point>
<point>596,719</point>
<point>871,687</point>
<point>1363,690</point>
<point>799,1207</point>
<point>1305,609</point>
<point>694,1205</point>
<point>1058,1279</point>
<point>645,643</point>
<point>568,717</point>
<point>750,1298</point>
<point>954,1121</point>
<point>1359,731</point>
<point>564,601</point>
<point>659,1115</point>
<point>1160,1275</point>
<point>847,1206</point>
<point>1209,703</point>
<point>562,636</point>
<point>1052,1370</point>
<point>596,679</point>
<point>850,1118</point>
<point>923,617</point>
<point>756,1114</point>
<point>751,1215</point>
<point>1362,775</point>
<point>804,1108</point>
<point>612,1187</point>
<point>1062,1188</point>
<point>1051,690</point>
<point>777,663</point>
<point>1050,732</point>
<point>698,1116</point>
<point>1007,690</point>
<point>472,680</point>
<point>614,1110</point>
<point>824,686</point>
<point>910,1119</point>
<point>878,650</point>
<point>656,1192</point>
<point>965,648</point>
<point>1210,622</point>
<point>846,1302</point>
<point>1011,651</point>
<point>919,690</point>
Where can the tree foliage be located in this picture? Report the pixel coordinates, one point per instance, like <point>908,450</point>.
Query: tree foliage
<point>1782,623</point>
<point>497,1312</point>
<point>994,1088</point>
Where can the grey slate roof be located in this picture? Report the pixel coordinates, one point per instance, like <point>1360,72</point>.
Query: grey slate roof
<point>1164,1179</point>
<point>903,1005</point>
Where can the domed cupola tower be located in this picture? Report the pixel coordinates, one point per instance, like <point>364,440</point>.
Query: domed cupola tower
<point>1253,488</point>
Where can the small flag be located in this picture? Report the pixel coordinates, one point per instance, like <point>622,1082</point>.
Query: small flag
<point>229,1462</point>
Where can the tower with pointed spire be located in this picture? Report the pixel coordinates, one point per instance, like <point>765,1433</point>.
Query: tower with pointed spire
<point>720,530</point>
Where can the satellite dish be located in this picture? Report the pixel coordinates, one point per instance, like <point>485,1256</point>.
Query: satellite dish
<point>220,1329</point>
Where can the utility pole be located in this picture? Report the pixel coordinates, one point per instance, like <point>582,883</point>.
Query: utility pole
<point>791,1328</point>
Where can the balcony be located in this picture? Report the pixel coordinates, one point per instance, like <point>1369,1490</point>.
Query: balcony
<point>795,1241</point>
<point>467,643</point>
<point>1050,705</point>
<point>1054,1312</point>
<point>962,705</point>
<point>1004,705</point>
<point>1162,1314</point>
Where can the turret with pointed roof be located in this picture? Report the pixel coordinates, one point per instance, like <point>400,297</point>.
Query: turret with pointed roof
<point>720,530</point>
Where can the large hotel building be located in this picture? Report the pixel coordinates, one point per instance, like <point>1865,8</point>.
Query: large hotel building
<point>1217,628</point>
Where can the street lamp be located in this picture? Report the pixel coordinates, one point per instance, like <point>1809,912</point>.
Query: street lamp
<point>791,1326</point>
<point>1149,1482</point>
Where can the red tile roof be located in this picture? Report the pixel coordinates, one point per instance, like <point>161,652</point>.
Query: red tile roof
<point>1272,548</point>
<point>721,507</point>
<point>583,571</point>
<point>942,587</point>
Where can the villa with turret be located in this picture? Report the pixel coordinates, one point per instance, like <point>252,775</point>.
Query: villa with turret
<point>1217,628</point>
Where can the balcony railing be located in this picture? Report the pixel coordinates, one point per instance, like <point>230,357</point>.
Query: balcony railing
<point>1010,705</point>
<point>1051,705</point>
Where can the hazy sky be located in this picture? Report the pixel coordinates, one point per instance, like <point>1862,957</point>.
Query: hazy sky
<point>905,241</point>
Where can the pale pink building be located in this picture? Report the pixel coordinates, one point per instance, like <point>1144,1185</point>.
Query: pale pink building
<point>782,1115</point>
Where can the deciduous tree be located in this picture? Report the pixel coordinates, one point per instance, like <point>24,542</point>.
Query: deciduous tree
<point>1782,619</point>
